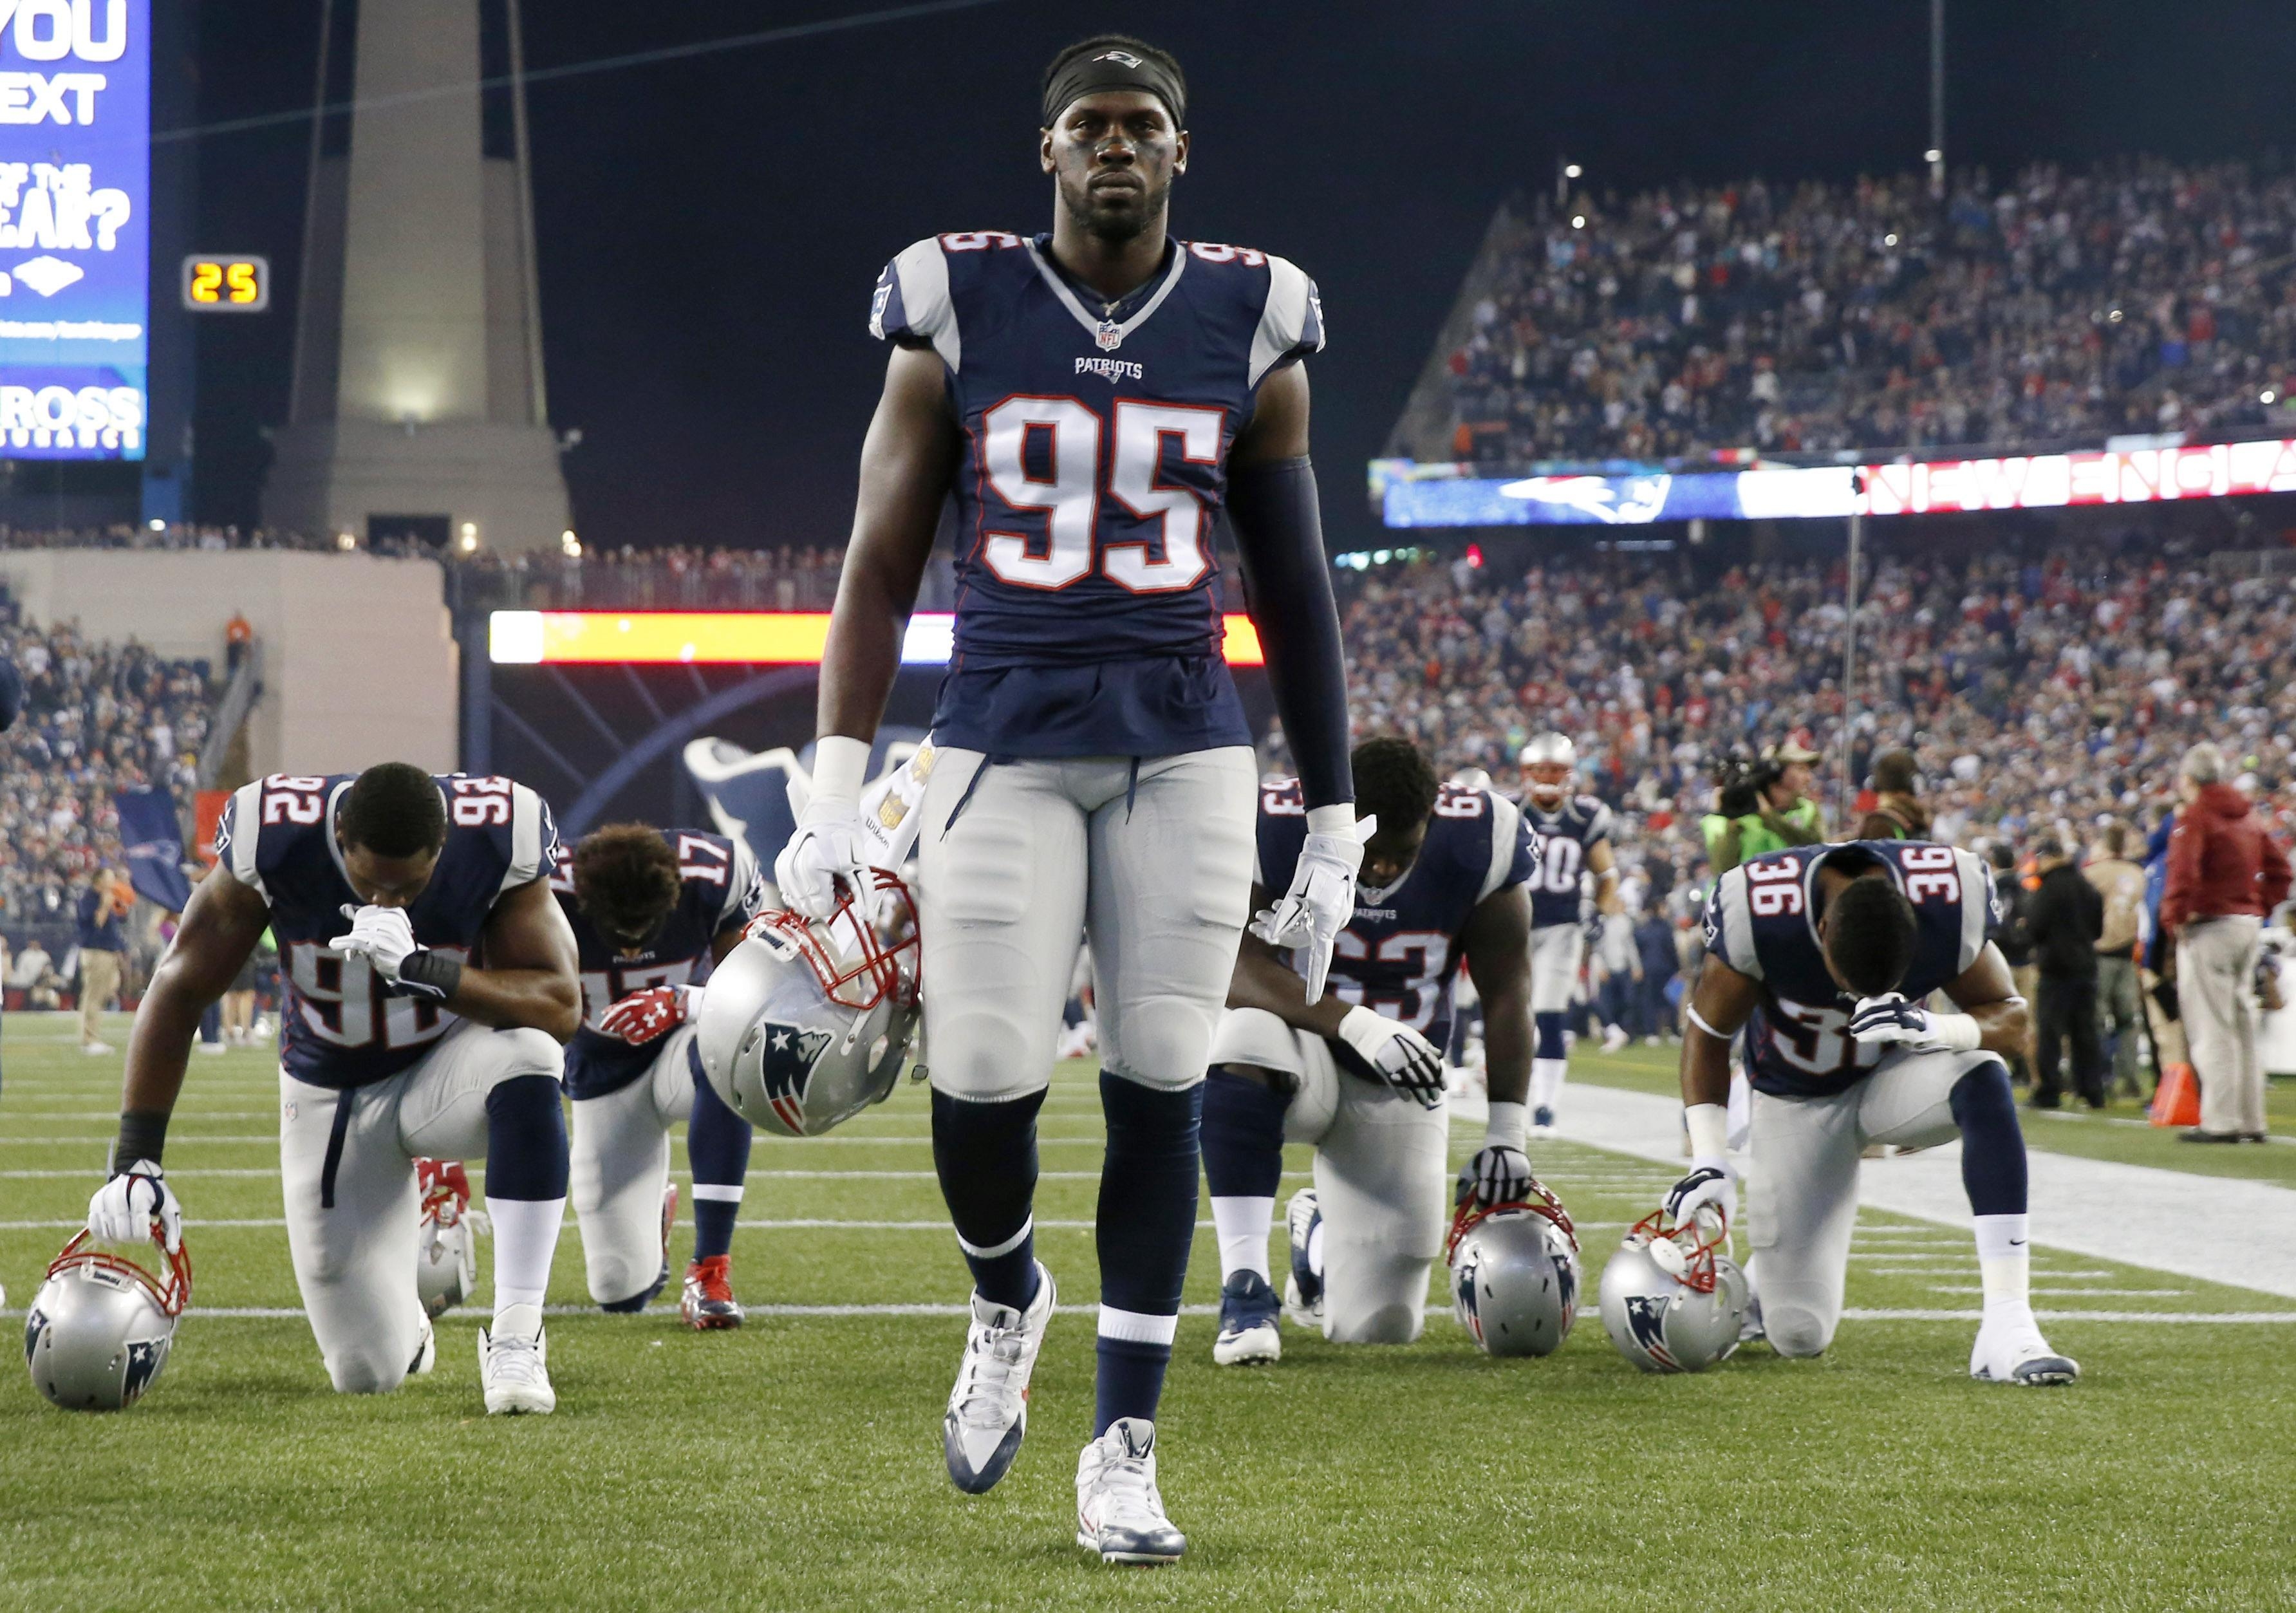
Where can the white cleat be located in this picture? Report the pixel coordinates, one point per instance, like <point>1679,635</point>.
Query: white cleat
<point>1119,1512</point>
<point>426,1353</point>
<point>514,1364</point>
<point>2010,1349</point>
<point>988,1414</point>
<point>1303,1290</point>
<point>95,1049</point>
<point>1614,1038</point>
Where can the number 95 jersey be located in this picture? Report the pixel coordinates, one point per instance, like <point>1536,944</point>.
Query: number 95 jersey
<point>1400,953</point>
<point>1096,433</point>
<point>1761,920</point>
<point>340,1026</point>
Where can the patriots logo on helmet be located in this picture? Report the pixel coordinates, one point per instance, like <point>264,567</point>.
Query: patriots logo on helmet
<point>32,1324</point>
<point>1566,1279</point>
<point>1646,1315</point>
<point>791,1052</point>
<point>1126,57</point>
<point>1462,1288</point>
<point>144,1359</point>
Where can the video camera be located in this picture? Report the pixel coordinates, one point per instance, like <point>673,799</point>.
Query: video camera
<point>1739,783</point>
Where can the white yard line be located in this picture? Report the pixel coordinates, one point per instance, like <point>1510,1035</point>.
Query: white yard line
<point>2213,1228</point>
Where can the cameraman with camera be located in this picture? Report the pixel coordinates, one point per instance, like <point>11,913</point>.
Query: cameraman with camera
<point>1762,806</point>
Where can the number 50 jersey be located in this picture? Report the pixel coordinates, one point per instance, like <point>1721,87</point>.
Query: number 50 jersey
<point>340,1026</point>
<point>1761,920</point>
<point>1096,434</point>
<point>1400,953</point>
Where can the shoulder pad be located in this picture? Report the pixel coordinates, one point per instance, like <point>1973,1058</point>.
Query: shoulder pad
<point>1597,815</point>
<point>1291,320</point>
<point>1730,926</point>
<point>912,305</point>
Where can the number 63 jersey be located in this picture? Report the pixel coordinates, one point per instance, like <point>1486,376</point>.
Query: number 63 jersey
<point>1400,953</point>
<point>1089,618</point>
<point>1761,920</point>
<point>340,1026</point>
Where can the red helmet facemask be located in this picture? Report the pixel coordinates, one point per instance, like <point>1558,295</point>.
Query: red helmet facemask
<point>1473,1213</point>
<point>171,1295</point>
<point>1689,1251</point>
<point>864,953</point>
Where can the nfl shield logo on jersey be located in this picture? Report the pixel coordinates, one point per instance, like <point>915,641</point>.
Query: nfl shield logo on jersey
<point>1108,336</point>
<point>789,1056</point>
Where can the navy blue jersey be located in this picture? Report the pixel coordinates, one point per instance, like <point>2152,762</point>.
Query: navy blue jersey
<point>1565,836</point>
<point>1761,920</point>
<point>718,890</point>
<point>1401,953</point>
<point>1097,435</point>
<point>339,1028</point>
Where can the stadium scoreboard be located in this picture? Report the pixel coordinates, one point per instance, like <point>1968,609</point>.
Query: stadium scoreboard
<point>75,231</point>
<point>226,282</point>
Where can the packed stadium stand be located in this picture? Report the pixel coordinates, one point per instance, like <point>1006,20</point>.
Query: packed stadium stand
<point>2057,306</point>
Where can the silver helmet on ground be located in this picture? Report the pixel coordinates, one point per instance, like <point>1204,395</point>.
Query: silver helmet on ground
<point>1672,1301</point>
<point>1515,1274</point>
<point>446,1244</point>
<point>100,1328</point>
<point>807,1022</point>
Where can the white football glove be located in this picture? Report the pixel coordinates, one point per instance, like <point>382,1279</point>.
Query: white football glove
<point>1322,900</point>
<point>831,843</point>
<point>1498,1174</point>
<point>1711,1184</point>
<point>1889,1020</point>
<point>383,936</point>
<point>124,1208</point>
<point>1398,1055</point>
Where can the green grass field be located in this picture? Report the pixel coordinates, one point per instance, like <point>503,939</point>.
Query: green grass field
<point>795,1464</point>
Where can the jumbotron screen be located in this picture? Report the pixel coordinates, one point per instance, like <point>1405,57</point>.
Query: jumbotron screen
<point>75,237</point>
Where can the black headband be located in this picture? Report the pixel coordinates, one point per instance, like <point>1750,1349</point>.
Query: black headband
<point>1114,69</point>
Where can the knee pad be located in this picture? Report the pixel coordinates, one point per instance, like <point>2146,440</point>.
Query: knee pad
<point>1984,1095</point>
<point>527,1151</point>
<point>1164,1043</point>
<point>1396,1322</point>
<point>637,1302</point>
<point>363,1374</point>
<point>1795,1332</point>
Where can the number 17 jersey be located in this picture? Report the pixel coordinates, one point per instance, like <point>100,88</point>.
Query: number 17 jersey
<point>1096,432</point>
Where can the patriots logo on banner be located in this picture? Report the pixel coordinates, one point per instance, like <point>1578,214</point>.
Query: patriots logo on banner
<point>789,1054</point>
<point>1646,1318</point>
<point>144,1363</point>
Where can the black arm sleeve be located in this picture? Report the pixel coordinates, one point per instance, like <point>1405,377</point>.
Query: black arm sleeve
<point>1279,536</point>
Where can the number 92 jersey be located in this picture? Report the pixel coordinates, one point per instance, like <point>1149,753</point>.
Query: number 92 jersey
<point>1088,611</point>
<point>1400,953</point>
<point>340,1026</point>
<point>1761,920</point>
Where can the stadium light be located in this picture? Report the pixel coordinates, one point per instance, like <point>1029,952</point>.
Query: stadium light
<point>765,638</point>
<point>159,525</point>
<point>1933,155</point>
<point>469,537</point>
<point>2265,397</point>
<point>570,545</point>
<point>1572,170</point>
<point>346,542</point>
<point>1577,221</point>
<point>1889,240</point>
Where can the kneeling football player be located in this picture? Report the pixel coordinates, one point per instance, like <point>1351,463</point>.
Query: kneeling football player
<point>1821,955</point>
<point>648,907</point>
<point>381,888</point>
<point>1359,1073</point>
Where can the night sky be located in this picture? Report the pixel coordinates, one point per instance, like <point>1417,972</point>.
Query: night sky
<point>710,228</point>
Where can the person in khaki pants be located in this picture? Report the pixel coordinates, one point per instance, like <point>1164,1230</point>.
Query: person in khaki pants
<point>103,950</point>
<point>2118,993</point>
<point>2224,875</point>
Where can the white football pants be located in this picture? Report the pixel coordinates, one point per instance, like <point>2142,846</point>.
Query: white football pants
<point>621,1167</point>
<point>1150,860</point>
<point>355,1263</point>
<point>1802,1201</point>
<point>1556,951</point>
<point>1380,1177</point>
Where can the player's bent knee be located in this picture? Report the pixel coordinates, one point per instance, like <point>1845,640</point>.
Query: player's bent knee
<point>1983,1093</point>
<point>630,1305</point>
<point>525,1051</point>
<point>1401,1322</point>
<point>363,1372</point>
<point>1795,1332</point>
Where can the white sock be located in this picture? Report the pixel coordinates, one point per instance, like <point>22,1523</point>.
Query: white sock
<point>1316,1249</point>
<point>526,1237</point>
<point>1242,1225</point>
<point>2005,1262</point>
<point>1546,1081</point>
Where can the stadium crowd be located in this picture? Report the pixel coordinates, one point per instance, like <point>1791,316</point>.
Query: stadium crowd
<point>2139,298</point>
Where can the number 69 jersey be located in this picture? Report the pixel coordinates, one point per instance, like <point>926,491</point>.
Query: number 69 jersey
<point>1400,953</point>
<point>1761,920</point>
<point>339,1027</point>
<point>1097,433</point>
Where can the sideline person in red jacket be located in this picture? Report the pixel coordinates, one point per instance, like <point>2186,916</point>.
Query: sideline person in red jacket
<point>2224,875</point>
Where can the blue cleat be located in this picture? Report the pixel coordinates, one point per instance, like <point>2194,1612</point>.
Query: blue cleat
<point>1303,1290</point>
<point>1248,1333</point>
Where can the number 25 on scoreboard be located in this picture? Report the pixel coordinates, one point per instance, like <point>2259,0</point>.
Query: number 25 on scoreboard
<point>218,282</point>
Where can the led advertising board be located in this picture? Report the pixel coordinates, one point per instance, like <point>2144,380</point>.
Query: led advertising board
<point>766,638</point>
<point>75,235</point>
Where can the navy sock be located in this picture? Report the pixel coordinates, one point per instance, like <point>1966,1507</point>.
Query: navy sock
<point>526,1139</point>
<point>717,1147</point>
<point>1992,1147</point>
<point>1551,1042</point>
<point>1243,1135</point>
<point>1144,1227</point>
<point>986,1154</point>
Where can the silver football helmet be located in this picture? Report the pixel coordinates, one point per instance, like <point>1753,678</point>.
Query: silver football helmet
<point>1547,763</point>
<point>1672,1301</point>
<point>805,1023</point>
<point>99,1326</point>
<point>1515,1274</point>
<point>446,1246</point>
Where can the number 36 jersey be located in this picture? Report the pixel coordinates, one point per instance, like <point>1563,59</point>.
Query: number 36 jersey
<point>1400,953</point>
<point>1096,434</point>
<point>340,1026</point>
<point>1761,920</point>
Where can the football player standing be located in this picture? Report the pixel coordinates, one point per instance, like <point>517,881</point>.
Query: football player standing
<point>648,907</point>
<point>1360,1074</point>
<point>1574,841</point>
<point>381,888</point>
<point>1821,955</point>
<point>1092,397</point>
